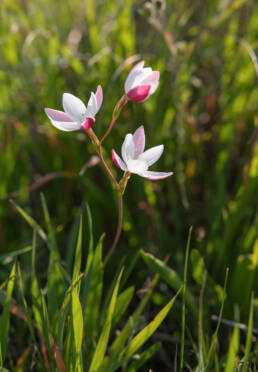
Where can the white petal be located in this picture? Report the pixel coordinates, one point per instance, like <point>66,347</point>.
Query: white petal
<point>139,141</point>
<point>137,166</point>
<point>154,87</point>
<point>137,67</point>
<point>152,155</point>
<point>92,107</point>
<point>145,77</point>
<point>130,81</point>
<point>118,161</point>
<point>128,148</point>
<point>155,175</point>
<point>74,107</point>
<point>56,118</point>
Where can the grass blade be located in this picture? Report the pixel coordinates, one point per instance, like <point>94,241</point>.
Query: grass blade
<point>103,339</point>
<point>183,302</point>
<point>5,318</point>
<point>249,335</point>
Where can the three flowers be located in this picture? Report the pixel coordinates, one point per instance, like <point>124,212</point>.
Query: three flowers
<point>141,82</point>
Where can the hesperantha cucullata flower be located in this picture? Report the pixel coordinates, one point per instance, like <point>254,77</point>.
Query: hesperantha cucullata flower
<point>136,160</point>
<point>77,115</point>
<point>141,82</point>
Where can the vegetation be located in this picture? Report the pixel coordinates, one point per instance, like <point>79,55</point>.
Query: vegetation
<point>187,258</point>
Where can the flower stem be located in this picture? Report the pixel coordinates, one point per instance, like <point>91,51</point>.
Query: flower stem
<point>108,171</point>
<point>120,104</point>
<point>118,229</point>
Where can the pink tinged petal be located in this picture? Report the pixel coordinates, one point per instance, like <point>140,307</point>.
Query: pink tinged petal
<point>139,94</point>
<point>128,148</point>
<point>139,141</point>
<point>92,107</point>
<point>137,67</point>
<point>155,76</point>
<point>155,175</point>
<point>74,107</point>
<point>57,115</point>
<point>118,161</point>
<point>133,80</point>
<point>137,166</point>
<point>154,87</point>
<point>67,125</point>
<point>99,96</point>
<point>88,123</point>
<point>152,155</point>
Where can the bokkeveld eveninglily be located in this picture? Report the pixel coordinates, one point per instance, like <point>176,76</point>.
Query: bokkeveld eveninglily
<point>136,160</point>
<point>141,82</point>
<point>77,115</point>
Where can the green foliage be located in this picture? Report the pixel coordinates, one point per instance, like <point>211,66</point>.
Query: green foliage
<point>204,112</point>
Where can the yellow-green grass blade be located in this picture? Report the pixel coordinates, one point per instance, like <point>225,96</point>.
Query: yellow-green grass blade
<point>147,332</point>
<point>104,336</point>
<point>143,357</point>
<point>233,350</point>
<point>249,335</point>
<point>171,277</point>
<point>5,317</point>
<point>33,224</point>
<point>94,283</point>
<point>77,329</point>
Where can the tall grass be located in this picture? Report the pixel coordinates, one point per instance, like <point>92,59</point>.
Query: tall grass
<point>205,113</point>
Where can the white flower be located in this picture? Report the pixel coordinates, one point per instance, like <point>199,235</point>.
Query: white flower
<point>76,115</point>
<point>137,161</point>
<point>141,82</point>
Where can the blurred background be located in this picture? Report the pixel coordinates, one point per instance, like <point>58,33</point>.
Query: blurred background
<point>205,112</point>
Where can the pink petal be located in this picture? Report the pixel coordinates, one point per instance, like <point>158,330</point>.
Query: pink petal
<point>155,175</point>
<point>118,161</point>
<point>139,94</point>
<point>139,141</point>
<point>155,76</point>
<point>57,115</point>
<point>87,124</point>
<point>138,66</point>
<point>99,96</point>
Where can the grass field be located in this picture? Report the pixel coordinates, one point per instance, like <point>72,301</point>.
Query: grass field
<point>188,252</point>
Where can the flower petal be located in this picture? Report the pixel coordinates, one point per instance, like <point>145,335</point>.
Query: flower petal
<point>155,175</point>
<point>152,155</point>
<point>61,120</point>
<point>138,67</point>
<point>92,107</point>
<point>57,115</point>
<point>139,141</point>
<point>74,107</point>
<point>118,161</point>
<point>128,148</point>
<point>139,94</point>
<point>137,166</point>
<point>99,96</point>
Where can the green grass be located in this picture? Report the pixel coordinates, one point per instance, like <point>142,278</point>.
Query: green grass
<point>51,255</point>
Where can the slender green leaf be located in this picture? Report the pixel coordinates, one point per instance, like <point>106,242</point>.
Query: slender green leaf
<point>104,336</point>
<point>171,277</point>
<point>5,318</point>
<point>146,333</point>
<point>233,350</point>
<point>143,357</point>
<point>78,253</point>
<point>77,329</point>
<point>30,221</point>
<point>249,335</point>
<point>94,284</point>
